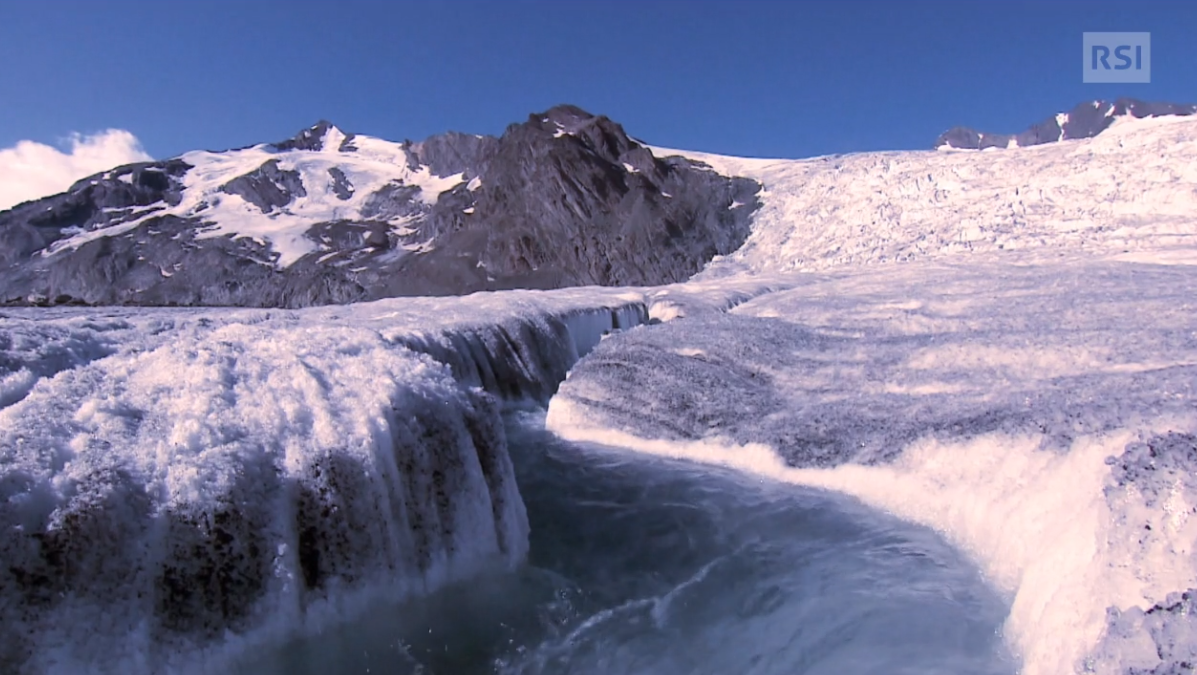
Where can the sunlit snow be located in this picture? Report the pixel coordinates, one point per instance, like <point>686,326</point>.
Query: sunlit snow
<point>1131,188</point>
<point>374,164</point>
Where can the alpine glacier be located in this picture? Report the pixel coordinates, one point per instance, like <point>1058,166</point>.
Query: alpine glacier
<point>997,344</point>
<point>1086,120</point>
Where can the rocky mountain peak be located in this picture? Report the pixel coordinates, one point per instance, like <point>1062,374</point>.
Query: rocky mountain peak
<point>322,135</point>
<point>566,198</point>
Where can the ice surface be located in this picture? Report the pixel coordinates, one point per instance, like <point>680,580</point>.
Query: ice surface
<point>183,480</point>
<point>1131,188</point>
<point>1039,414</point>
<point>692,298</point>
<point>31,349</point>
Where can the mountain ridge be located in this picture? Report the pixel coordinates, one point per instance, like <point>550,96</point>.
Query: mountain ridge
<point>564,198</point>
<point>1085,120</point>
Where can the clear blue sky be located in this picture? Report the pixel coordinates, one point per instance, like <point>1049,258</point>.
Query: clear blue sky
<point>787,79</point>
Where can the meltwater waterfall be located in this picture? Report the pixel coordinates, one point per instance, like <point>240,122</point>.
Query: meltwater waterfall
<point>641,566</point>
<point>180,487</point>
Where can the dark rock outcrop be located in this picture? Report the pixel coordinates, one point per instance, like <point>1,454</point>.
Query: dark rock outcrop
<point>1086,120</point>
<point>268,187</point>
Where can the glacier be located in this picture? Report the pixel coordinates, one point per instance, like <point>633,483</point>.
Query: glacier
<point>1042,417</point>
<point>1129,190</point>
<point>997,345</point>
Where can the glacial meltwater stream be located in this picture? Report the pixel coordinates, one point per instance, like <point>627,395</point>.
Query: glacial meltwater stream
<point>645,566</point>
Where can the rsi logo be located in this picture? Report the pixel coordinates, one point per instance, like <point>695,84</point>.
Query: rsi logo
<point>1101,54</point>
<point>1117,57</point>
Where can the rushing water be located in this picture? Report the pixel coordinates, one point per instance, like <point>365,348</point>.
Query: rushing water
<point>640,565</point>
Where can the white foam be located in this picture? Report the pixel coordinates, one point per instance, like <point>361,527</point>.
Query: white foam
<point>1035,521</point>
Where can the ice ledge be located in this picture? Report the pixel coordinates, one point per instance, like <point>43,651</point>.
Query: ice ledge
<point>225,478</point>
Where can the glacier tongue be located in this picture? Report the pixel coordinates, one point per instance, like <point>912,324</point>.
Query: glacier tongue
<point>213,479</point>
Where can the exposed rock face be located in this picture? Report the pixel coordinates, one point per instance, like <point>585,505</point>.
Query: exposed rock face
<point>568,199</point>
<point>1086,120</point>
<point>563,199</point>
<point>267,188</point>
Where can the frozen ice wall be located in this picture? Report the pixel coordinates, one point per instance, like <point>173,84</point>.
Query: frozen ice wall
<point>176,486</point>
<point>1041,416</point>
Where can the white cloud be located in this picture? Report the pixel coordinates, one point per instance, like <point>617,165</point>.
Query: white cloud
<point>30,170</point>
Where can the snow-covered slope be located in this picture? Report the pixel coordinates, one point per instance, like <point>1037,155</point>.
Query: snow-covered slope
<point>288,191</point>
<point>1132,188</point>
